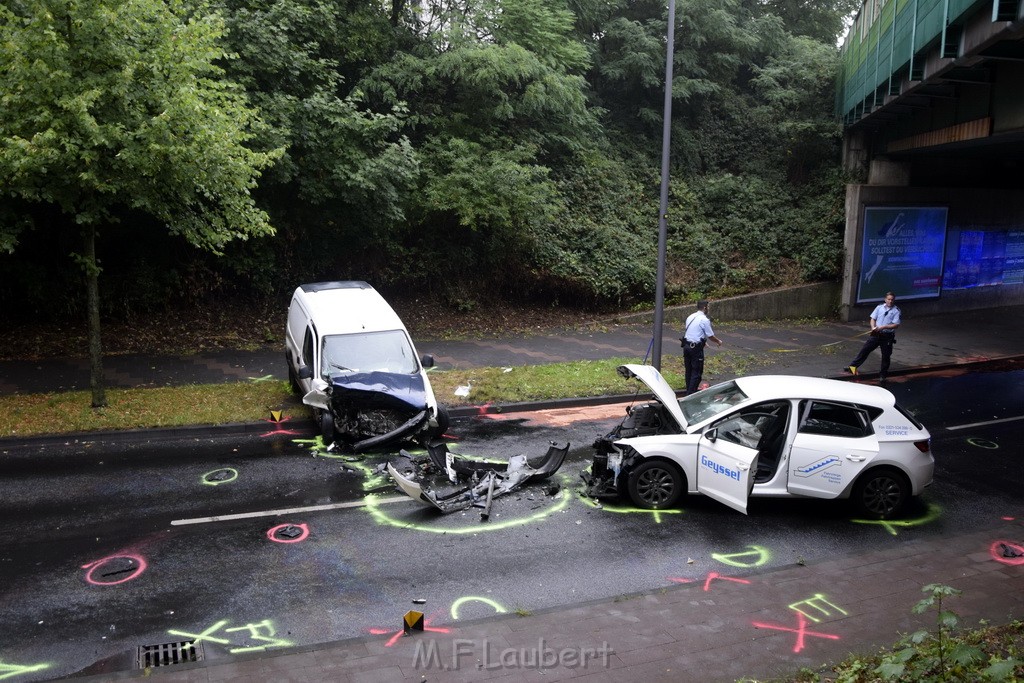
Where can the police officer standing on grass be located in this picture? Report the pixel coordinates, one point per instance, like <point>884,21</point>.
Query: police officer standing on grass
<point>884,321</point>
<point>695,338</point>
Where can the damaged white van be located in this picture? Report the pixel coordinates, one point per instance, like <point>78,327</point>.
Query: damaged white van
<point>351,359</point>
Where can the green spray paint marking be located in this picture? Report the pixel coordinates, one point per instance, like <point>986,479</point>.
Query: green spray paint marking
<point>12,670</point>
<point>496,606</point>
<point>932,514</point>
<point>622,510</point>
<point>382,517</point>
<point>230,475</point>
<point>758,555</point>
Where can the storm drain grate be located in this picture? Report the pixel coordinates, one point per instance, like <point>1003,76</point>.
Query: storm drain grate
<point>167,654</point>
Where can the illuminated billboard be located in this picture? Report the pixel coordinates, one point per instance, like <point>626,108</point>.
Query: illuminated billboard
<point>901,252</point>
<point>982,256</point>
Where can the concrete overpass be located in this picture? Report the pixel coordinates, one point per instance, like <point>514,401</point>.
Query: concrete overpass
<point>931,96</point>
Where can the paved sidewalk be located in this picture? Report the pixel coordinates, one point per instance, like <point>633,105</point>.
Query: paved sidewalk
<point>816,349</point>
<point>737,623</point>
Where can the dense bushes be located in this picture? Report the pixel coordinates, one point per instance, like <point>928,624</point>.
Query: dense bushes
<point>507,148</point>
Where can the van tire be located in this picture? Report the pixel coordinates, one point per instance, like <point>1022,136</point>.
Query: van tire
<point>327,427</point>
<point>292,379</point>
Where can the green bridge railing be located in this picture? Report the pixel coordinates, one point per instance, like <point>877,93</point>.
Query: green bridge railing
<point>889,40</point>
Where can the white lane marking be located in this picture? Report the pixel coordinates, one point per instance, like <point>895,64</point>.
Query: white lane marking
<point>286,511</point>
<point>985,424</point>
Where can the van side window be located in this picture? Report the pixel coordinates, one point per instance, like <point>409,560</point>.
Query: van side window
<point>307,348</point>
<point>834,419</point>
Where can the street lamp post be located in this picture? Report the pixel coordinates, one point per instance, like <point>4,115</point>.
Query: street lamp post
<point>666,134</point>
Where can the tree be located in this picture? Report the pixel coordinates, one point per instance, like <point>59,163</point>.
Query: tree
<point>112,109</point>
<point>347,163</point>
<point>496,101</point>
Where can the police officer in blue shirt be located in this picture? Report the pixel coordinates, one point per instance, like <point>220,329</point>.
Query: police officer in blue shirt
<point>695,337</point>
<point>884,321</point>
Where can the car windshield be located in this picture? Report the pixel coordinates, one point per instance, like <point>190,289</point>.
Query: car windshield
<point>710,402</point>
<point>388,351</point>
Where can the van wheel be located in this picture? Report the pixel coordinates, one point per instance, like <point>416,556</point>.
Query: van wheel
<point>293,381</point>
<point>327,427</point>
<point>881,493</point>
<point>655,484</point>
<point>443,421</point>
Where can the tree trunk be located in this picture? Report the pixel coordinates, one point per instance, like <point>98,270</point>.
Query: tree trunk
<point>397,9</point>
<point>92,287</point>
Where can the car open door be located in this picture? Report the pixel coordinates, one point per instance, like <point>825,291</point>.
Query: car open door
<point>725,465</point>
<point>834,443</point>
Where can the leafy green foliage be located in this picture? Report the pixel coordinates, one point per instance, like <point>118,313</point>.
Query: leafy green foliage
<point>946,653</point>
<point>501,148</point>
<point>145,122</point>
<point>115,108</point>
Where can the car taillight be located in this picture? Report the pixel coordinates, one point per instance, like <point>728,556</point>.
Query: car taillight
<point>923,446</point>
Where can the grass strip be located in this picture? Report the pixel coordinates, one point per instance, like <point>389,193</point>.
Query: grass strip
<point>24,415</point>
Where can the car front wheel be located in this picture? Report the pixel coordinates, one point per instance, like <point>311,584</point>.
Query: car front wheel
<point>655,484</point>
<point>881,494</point>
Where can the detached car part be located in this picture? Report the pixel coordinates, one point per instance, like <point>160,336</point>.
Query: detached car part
<point>477,482</point>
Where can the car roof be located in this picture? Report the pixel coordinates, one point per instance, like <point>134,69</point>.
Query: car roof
<point>763,387</point>
<point>347,307</point>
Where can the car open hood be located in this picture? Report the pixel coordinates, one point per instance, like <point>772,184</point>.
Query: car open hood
<point>380,390</point>
<point>650,376</point>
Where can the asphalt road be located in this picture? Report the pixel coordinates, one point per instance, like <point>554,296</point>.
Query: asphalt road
<point>107,547</point>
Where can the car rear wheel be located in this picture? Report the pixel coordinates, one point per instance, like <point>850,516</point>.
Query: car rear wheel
<point>655,484</point>
<point>881,494</point>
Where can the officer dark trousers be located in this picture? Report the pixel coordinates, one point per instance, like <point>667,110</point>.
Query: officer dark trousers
<point>693,359</point>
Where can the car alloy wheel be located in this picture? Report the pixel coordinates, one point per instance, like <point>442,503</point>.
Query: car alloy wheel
<point>881,494</point>
<point>655,485</point>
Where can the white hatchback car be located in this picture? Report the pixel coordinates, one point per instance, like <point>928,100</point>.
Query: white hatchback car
<point>351,359</point>
<point>773,436</point>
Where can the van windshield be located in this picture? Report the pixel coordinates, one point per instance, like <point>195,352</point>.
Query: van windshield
<point>389,351</point>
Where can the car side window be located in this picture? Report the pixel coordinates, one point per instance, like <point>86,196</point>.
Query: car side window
<point>307,347</point>
<point>834,419</point>
<point>752,426</point>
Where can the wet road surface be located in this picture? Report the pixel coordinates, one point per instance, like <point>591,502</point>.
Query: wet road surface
<point>110,547</point>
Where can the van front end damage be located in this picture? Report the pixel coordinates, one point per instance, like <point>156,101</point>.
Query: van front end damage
<point>360,411</point>
<point>449,482</point>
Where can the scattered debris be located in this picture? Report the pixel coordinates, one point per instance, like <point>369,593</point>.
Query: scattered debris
<point>478,482</point>
<point>1010,552</point>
